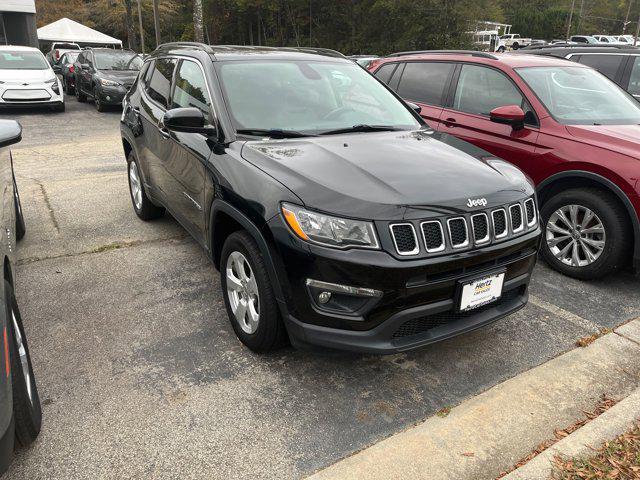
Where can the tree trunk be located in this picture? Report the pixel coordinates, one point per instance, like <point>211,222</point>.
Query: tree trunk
<point>198,29</point>
<point>128,24</point>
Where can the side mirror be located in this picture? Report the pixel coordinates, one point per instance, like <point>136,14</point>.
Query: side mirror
<point>508,115</point>
<point>187,120</point>
<point>414,107</point>
<point>10,132</point>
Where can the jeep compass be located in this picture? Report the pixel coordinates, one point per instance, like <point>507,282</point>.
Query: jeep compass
<point>335,215</point>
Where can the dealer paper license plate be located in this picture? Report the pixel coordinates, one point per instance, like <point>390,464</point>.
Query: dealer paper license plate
<point>481,291</point>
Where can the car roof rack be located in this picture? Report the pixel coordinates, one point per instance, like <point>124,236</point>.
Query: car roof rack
<point>473,53</point>
<point>197,45</point>
<point>581,45</point>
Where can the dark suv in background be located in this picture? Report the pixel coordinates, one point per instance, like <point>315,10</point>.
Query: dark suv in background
<point>334,214</point>
<point>105,74</point>
<point>572,130</point>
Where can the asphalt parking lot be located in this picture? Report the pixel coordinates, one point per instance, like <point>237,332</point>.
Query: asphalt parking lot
<point>138,368</point>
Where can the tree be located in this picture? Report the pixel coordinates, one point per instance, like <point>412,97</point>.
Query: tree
<point>197,21</point>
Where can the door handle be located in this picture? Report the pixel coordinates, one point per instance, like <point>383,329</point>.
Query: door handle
<point>450,122</point>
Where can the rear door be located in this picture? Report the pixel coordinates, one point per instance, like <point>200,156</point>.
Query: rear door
<point>479,89</point>
<point>426,84</point>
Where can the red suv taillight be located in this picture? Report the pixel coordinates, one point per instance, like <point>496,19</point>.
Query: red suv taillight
<point>71,69</point>
<point>57,54</point>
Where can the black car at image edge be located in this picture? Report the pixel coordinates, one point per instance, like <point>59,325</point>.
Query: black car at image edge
<point>336,217</point>
<point>20,410</point>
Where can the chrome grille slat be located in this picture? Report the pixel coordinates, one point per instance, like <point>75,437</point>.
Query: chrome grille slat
<point>458,238</point>
<point>530,208</point>
<point>433,238</point>
<point>515,217</point>
<point>480,228</point>
<point>499,220</point>
<point>404,238</point>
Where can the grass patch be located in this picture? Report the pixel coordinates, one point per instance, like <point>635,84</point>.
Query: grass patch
<point>616,459</point>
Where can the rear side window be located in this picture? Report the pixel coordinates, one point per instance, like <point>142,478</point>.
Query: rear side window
<point>481,89</point>
<point>159,85</point>
<point>425,82</point>
<point>608,65</point>
<point>190,88</point>
<point>634,80</point>
<point>384,72</point>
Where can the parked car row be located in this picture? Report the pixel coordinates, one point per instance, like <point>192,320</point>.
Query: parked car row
<point>571,130</point>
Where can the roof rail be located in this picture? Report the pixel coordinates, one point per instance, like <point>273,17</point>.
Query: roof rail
<point>473,53</point>
<point>317,50</point>
<point>580,45</point>
<point>198,45</point>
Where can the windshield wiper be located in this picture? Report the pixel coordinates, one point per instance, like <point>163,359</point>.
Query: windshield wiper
<point>273,133</point>
<point>362,128</point>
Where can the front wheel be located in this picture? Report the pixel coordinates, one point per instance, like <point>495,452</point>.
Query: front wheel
<point>143,207</point>
<point>98,101</point>
<point>587,233</point>
<point>81,97</point>
<point>248,295</point>
<point>27,410</point>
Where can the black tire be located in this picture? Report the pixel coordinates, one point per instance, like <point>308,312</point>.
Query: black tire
<point>96,98</point>
<point>21,228</point>
<point>68,88</point>
<point>27,411</point>
<point>613,216</point>
<point>270,333</point>
<point>515,46</point>
<point>59,108</point>
<point>147,210</point>
<point>81,97</point>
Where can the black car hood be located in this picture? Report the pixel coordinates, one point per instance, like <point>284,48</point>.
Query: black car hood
<point>385,175</point>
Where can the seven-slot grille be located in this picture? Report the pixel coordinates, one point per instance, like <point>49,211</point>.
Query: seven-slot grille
<point>404,237</point>
<point>433,236</point>
<point>530,208</point>
<point>480,226</point>
<point>463,231</point>
<point>516,218</point>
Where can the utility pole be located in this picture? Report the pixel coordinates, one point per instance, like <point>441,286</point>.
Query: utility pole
<point>140,23</point>
<point>156,21</point>
<point>573,4</point>
<point>635,39</point>
<point>626,19</point>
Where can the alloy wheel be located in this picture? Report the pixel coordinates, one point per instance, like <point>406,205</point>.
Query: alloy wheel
<point>24,358</point>
<point>575,235</point>
<point>136,185</point>
<point>242,291</point>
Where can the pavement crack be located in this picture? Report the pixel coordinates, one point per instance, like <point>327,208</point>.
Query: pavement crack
<point>100,249</point>
<point>565,314</point>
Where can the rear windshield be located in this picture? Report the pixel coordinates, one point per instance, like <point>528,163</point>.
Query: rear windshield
<point>66,46</point>
<point>17,60</point>
<point>117,60</point>
<point>71,57</point>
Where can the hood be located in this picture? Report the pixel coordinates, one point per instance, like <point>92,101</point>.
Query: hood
<point>618,138</point>
<point>26,76</point>
<point>385,175</point>
<point>119,75</point>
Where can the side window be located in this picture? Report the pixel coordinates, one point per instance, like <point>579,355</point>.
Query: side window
<point>384,72</point>
<point>481,89</point>
<point>159,85</point>
<point>145,75</point>
<point>190,88</point>
<point>81,59</point>
<point>425,82</point>
<point>634,79</point>
<point>608,65</point>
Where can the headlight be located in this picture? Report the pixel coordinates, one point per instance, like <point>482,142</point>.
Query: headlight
<point>51,80</point>
<point>510,171</point>
<point>327,230</point>
<point>109,83</point>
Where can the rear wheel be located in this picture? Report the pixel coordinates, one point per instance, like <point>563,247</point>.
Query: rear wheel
<point>67,86</point>
<point>79,95</point>
<point>248,296</point>
<point>143,207</point>
<point>27,410</point>
<point>587,233</point>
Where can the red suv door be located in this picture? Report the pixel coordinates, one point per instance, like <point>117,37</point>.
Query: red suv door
<point>478,90</point>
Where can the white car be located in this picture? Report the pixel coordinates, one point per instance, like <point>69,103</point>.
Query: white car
<point>27,79</point>
<point>609,39</point>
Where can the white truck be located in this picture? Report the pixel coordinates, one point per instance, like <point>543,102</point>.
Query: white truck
<point>514,41</point>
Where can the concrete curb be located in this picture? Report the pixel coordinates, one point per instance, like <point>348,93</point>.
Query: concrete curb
<point>490,432</point>
<point>615,421</point>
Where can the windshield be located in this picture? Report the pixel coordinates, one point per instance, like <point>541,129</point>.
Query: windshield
<point>17,60</point>
<point>117,60</point>
<point>581,96</point>
<point>70,57</point>
<point>308,96</point>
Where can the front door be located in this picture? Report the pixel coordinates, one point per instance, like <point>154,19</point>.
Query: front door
<point>478,91</point>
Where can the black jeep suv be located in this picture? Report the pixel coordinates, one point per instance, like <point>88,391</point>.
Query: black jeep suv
<point>334,214</point>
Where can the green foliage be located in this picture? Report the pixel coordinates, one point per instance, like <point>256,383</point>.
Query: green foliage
<point>350,26</point>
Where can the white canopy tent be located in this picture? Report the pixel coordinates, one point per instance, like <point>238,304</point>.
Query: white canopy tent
<point>66,30</point>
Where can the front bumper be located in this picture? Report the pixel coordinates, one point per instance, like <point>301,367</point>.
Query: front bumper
<point>419,299</point>
<point>34,94</point>
<point>112,95</point>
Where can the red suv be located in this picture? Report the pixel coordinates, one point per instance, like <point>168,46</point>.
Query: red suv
<point>571,129</point>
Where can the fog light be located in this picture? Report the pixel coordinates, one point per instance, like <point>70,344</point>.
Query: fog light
<point>108,98</point>
<point>324,297</point>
